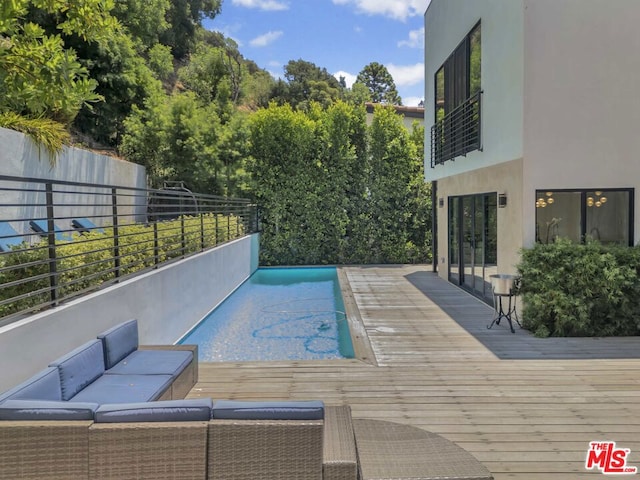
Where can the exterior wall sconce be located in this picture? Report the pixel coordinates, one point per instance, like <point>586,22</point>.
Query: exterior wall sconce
<point>502,200</point>
<point>441,202</point>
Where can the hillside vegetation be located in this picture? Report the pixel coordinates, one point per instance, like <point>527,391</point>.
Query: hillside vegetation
<point>145,80</point>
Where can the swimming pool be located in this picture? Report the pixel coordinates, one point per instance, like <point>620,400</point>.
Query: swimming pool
<point>277,314</point>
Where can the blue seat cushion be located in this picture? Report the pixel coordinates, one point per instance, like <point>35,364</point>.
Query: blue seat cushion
<point>85,225</point>
<point>46,410</point>
<point>235,410</point>
<point>9,237</point>
<point>79,368</point>
<point>192,410</point>
<point>153,362</point>
<point>118,342</point>
<point>41,227</point>
<point>44,385</point>
<point>124,389</point>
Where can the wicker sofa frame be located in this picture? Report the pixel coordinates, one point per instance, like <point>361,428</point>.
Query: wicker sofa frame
<point>218,449</point>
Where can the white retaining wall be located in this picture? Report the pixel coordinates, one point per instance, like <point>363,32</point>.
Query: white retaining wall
<point>167,303</point>
<point>21,157</point>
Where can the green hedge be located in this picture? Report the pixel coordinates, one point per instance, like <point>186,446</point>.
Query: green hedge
<point>88,261</point>
<point>587,289</point>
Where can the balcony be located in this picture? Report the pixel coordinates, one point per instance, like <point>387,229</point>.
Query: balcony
<point>458,133</point>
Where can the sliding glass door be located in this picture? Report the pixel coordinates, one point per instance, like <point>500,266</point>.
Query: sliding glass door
<point>473,242</point>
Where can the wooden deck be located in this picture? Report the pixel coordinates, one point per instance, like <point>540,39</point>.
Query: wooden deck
<point>527,408</point>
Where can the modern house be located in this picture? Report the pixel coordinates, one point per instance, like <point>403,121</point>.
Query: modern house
<point>532,118</point>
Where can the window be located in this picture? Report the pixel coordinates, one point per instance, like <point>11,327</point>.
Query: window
<point>604,215</point>
<point>457,101</point>
<point>473,242</point>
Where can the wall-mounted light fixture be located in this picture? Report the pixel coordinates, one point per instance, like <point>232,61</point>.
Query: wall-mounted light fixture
<point>441,202</point>
<point>502,200</point>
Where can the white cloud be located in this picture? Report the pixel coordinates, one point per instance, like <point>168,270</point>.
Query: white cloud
<point>262,4</point>
<point>266,39</point>
<point>416,39</point>
<point>397,9</point>
<point>349,78</point>
<point>406,75</point>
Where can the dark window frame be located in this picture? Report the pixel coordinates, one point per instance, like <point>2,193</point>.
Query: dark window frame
<point>583,207</point>
<point>457,109</point>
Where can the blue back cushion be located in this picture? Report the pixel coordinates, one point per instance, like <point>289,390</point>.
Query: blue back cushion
<point>80,368</point>
<point>192,410</point>
<point>44,385</point>
<point>119,341</point>
<point>285,410</point>
<point>46,410</point>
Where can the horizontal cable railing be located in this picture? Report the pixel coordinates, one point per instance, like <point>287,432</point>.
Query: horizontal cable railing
<point>458,133</point>
<point>59,240</point>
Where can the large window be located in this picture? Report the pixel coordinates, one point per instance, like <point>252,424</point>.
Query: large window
<point>457,101</point>
<point>605,215</point>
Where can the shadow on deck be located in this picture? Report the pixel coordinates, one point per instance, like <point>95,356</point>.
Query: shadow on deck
<point>473,315</point>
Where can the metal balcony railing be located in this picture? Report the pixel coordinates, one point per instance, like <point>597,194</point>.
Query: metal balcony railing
<point>458,133</point>
<point>59,240</point>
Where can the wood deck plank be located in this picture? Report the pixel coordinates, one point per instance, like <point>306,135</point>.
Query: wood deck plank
<point>525,407</point>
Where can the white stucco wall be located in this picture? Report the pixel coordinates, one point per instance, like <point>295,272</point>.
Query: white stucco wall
<point>582,107</point>
<point>21,157</point>
<point>167,303</point>
<point>560,81</point>
<point>447,22</point>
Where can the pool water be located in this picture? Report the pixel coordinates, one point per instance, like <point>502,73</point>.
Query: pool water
<point>277,314</point>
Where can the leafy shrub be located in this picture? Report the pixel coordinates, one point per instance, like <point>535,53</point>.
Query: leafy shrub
<point>88,261</point>
<point>581,290</point>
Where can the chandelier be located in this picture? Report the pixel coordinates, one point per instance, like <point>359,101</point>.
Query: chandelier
<point>547,199</point>
<point>596,201</point>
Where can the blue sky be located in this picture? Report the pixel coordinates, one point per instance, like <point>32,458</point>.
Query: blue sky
<point>340,35</point>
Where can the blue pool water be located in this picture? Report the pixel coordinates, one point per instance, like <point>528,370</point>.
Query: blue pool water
<point>277,314</point>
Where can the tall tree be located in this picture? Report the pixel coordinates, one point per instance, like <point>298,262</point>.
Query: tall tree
<point>124,80</point>
<point>145,20</point>
<point>380,83</point>
<point>39,74</point>
<point>331,193</point>
<point>306,83</point>
<point>205,72</point>
<point>176,138</point>
<point>391,154</point>
<point>184,18</point>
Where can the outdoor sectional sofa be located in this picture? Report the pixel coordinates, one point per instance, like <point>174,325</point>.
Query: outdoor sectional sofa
<point>111,409</point>
<point>114,410</point>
